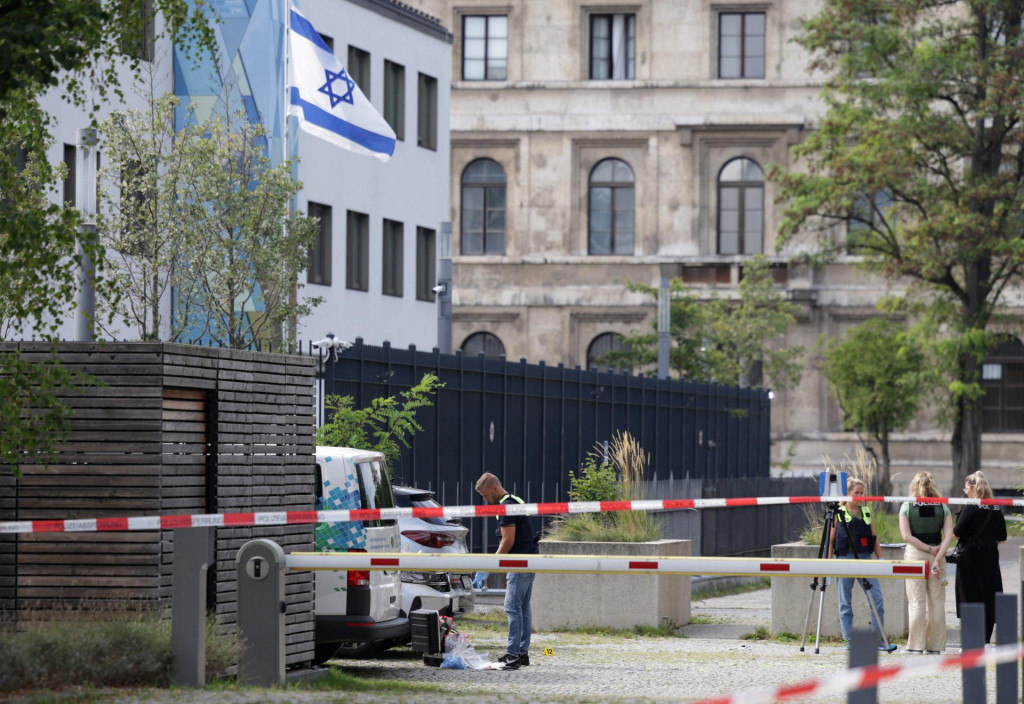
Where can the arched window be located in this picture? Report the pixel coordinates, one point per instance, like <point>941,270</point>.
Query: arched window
<point>605,342</point>
<point>611,208</point>
<point>484,342</point>
<point>483,208</point>
<point>1002,380</point>
<point>741,208</point>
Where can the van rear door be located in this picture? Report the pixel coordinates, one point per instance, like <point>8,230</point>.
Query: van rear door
<point>381,536</point>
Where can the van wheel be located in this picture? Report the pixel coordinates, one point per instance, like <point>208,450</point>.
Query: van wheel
<point>358,650</point>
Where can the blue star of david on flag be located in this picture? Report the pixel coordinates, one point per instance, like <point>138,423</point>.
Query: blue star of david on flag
<point>318,83</point>
<point>328,90</point>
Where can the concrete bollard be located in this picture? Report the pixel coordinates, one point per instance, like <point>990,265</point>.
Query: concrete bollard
<point>261,613</point>
<point>192,557</point>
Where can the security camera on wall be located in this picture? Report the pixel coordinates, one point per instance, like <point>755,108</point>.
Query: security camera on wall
<point>438,289</point>
<point>330,344</point>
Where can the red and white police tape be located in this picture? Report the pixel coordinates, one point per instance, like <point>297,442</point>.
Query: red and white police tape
<point>871,676</point>
<point>270,518</point>
<point>448,562</point>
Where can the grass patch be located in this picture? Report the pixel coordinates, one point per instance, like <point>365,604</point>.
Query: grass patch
<point>337,680</point>
<point>90,649</point>
<point>667,630</point>
<point>762,634</point>
<point>762,583</point>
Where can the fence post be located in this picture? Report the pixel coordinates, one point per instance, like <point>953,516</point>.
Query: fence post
<point>863,652</point>
<point>188,606</point>
<point>972,636</point>
<point>261,612</point>
<point>1006,634</point>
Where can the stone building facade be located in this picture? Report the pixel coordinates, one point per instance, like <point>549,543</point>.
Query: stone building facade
<point>595,143</point>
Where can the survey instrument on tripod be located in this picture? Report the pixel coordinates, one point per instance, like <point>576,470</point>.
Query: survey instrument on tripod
<point>829,484</point>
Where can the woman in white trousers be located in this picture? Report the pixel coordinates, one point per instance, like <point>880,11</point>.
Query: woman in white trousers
<point>927,528</point>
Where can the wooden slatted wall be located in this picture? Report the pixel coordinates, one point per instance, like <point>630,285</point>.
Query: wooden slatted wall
<point>172,429</point>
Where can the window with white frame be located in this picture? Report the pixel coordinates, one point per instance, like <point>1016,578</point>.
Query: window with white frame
<point>613,46</point>
<point>1002,382</point>
<point>484,47</point>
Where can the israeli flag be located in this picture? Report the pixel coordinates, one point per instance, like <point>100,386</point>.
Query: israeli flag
<point>327,101</point>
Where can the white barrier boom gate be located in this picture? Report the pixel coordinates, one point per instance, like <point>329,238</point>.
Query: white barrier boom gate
<point>442,562</point>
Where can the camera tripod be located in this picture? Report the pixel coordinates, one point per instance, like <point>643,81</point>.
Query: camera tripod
<point>831,510</point>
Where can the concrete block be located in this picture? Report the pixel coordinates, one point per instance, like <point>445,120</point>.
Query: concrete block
<point>791,596</point>
<point>611,600</point>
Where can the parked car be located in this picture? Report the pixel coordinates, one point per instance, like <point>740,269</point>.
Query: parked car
<point>438,535</point>
<point>358,612</point>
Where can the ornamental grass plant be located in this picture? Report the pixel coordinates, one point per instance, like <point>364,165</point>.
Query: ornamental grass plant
<point>615,473</point>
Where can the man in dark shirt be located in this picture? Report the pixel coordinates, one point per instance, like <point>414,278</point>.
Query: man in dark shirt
<point>517,537</point>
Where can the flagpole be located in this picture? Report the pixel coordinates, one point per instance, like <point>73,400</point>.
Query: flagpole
<point>287,153</point>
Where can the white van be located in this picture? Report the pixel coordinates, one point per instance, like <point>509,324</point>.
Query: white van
<point>357,612</point>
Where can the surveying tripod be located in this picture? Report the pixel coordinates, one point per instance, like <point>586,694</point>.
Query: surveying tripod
<point>831,510</point>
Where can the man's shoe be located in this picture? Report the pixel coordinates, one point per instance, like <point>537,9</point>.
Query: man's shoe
<point>887,648</point>
<point>512,663</point>
<point>524,659</point>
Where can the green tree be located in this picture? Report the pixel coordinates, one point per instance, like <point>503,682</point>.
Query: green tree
<point>78,45</point>
<point>876,372</point>
<point>247,251</point>
<point>919,156</point>
<point>724,340</point>
<point>202,212</point>
<point>386,425</point>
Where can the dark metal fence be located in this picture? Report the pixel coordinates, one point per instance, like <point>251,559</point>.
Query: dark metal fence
<point>530,424</point>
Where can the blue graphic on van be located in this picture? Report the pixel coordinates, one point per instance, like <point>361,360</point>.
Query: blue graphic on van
<point>346,535</point>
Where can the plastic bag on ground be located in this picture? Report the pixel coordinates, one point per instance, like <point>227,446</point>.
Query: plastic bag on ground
<point>459,654</point>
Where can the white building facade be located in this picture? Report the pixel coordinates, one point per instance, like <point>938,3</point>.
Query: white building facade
<point>374,264</point>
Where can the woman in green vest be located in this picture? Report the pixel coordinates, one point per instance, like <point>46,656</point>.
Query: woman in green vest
<point>927,529</point>
<point>853,536</point>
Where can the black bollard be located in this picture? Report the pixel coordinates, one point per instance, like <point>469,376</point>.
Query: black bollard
<point>863,652</point>
<point>972,636</point>
<point>1006,634</point>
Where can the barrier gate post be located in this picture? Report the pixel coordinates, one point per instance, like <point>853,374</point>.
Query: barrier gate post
<point>1006,634</point>
<point>863,652</point>
<point>972,636</point>
<point>188,607</point>
<point>261,612</point>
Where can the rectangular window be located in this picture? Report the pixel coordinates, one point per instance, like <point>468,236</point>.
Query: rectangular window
<point>320,253</point>
<point>426,125</point>
<point>613,47</point>
<point>357,252</point>
<point>867,216</point>
<point>70,183</point>
<point>391,274</point>
<point>394,97</point>
<point>139,39</point>
<point>359,68</point>
<point>741,45</point>
<point>426,263</point>
<point>485,47</point>
<point>329,41</point>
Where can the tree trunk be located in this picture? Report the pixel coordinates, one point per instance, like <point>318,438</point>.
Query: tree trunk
<point>884,473</point>
<point>966,443</point>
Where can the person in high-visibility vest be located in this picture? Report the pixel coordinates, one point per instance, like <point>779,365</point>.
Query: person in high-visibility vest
<point>853,532</point>
<point>517,537</point>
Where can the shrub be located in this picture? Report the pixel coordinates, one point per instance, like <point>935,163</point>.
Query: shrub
<point>617,476</point>
<point>101,650</point>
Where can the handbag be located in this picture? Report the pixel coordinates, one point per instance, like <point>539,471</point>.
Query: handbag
<point>954,556</point>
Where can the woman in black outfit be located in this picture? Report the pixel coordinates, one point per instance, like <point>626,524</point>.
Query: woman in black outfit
<point>981,529</point>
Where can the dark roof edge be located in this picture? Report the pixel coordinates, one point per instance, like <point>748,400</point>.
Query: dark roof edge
<point>409,16</point>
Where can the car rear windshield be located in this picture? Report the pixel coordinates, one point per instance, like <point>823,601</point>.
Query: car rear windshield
<point>421,501</point>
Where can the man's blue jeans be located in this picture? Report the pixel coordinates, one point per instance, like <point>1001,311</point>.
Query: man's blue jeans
<point>518,590</point>
<point>845,588</point>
